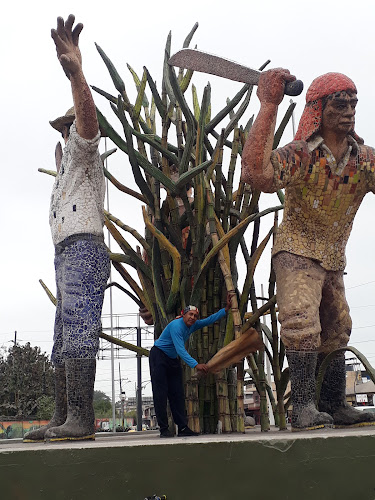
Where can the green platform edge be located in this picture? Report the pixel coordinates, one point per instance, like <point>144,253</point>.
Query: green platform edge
<point>329,468</point>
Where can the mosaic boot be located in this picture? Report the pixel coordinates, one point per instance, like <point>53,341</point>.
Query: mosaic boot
<point>305,416</point>
<point>333,399</point>
<point>80,421</point>
<point>59,415</point>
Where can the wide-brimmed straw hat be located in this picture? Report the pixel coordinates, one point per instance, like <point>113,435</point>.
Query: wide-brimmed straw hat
<point>67,119</point>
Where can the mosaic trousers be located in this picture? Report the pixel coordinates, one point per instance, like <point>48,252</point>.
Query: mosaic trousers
<point>82,270</point>
<point>313,311</point>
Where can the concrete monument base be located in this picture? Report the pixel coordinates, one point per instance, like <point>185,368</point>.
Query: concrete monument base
<point>319,465</point>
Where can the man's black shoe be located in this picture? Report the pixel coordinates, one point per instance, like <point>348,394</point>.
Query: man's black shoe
<point>186,431</point>
<point>166,434</point>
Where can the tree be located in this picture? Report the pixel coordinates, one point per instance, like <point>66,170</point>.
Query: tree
<point>45,407</point>
<point>131,414</point>
<point>102,404</point>
<point>26,374</point>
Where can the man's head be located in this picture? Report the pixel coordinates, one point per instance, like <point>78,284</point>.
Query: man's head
<point>330,101</point>
<point>190,315</point>
<point>339,113</point>
<point>63,123</point>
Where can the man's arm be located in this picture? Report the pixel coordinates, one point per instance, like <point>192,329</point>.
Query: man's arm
<point>214,317</point>
<point>68,53</point>
<point>185,356</point>
<point>179,345</point>
<point>257,170</point>
<point>200,323</point>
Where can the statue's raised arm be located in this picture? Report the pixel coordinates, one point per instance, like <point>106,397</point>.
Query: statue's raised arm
<point>67,47</point>
<point>257,169</point>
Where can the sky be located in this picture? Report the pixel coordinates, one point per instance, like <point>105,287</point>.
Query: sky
<point>308,40</point>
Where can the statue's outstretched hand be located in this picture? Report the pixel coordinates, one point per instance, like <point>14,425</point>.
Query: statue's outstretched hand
<point>66,41</point>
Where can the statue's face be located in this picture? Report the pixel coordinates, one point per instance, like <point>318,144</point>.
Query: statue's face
<point>339,113</point>
<point>65,132</point>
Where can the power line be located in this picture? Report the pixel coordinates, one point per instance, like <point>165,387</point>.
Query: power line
<point>362,284</point>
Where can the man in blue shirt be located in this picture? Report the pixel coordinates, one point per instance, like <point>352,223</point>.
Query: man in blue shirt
<point>166,370</point>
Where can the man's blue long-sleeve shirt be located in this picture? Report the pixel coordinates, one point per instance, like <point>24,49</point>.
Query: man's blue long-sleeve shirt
<point>173,338</point>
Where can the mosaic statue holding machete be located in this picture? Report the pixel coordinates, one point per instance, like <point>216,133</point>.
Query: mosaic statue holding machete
<point>326,171</point>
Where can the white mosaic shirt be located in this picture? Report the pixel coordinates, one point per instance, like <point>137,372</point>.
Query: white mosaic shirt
<point>78,193</point>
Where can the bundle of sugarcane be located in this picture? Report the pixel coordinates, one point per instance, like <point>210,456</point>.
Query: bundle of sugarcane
<point>235,351</point>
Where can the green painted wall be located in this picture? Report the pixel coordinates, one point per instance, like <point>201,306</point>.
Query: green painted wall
<point>333,468</point>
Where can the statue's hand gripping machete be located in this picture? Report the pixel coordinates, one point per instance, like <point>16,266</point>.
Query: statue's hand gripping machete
<point>197,60</point>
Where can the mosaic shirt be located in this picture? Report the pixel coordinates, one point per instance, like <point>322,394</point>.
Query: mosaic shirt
<point>78,193</point>
<point>321,198</point>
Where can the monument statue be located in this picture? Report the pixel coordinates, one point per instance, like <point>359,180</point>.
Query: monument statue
<point>326,172</point>
<point>81,258</point>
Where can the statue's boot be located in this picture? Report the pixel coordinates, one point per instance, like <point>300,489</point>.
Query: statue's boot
<point>305,416</point>
<point>333,400</point>
<point>80,421</point>
<point>59,415</point>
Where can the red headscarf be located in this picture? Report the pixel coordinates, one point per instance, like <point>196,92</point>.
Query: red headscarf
<point>322,86</point>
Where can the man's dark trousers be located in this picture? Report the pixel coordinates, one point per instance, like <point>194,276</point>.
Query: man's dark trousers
<point>166,379</point>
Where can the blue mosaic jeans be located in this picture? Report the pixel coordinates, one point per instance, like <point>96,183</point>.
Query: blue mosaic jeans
<point>82,270</point>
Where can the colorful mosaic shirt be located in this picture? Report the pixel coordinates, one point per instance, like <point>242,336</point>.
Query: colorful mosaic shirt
<point>78,193</point>
<point>321,198</point>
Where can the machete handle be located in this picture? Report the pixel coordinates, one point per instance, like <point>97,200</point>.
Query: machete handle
<point>294,88</point>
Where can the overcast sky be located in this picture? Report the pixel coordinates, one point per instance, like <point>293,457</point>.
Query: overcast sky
<point>307,39</point>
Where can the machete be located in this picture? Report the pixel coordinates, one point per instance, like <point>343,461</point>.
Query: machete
<point>204,62</point>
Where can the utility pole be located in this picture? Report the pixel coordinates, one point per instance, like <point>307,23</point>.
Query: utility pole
<point>139,377</point>
<point>122,398</point>
<point>111,315</point>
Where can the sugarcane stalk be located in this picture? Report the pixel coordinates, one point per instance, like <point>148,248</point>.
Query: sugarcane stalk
<point>129,294</point>
<point>234,310</point>
<point>130,281</point>
<point>229,187</point>
<point>126,248</point>
<point>190,122</point>
<point>130,230</point>
<point>123,188</point>
<point>261,377</point>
